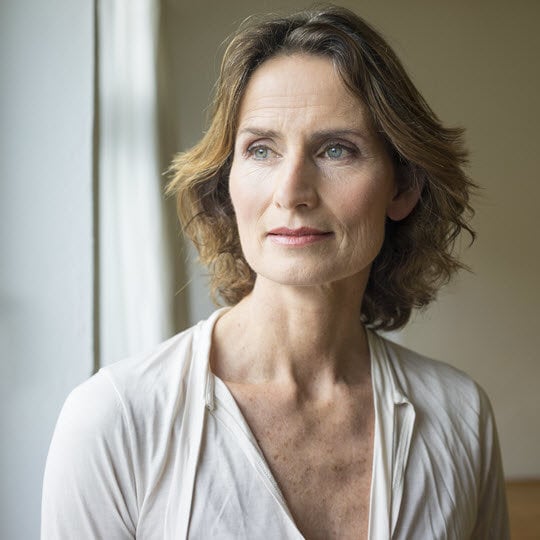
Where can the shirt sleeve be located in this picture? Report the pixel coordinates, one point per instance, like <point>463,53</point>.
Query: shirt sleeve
<point>89,488</point>
<point>492,515</point>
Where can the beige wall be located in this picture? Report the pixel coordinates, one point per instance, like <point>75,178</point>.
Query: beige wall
<point>477,65</point>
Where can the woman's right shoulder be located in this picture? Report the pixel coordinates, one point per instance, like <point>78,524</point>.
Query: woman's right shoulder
<point>138,388</point>
<point>131,405</point>
<point>113,437</point>
<point>138,395</point>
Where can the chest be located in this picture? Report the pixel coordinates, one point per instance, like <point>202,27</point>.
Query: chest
<point>321,458</point>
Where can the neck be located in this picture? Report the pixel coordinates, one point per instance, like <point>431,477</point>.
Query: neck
<point>307,337</point>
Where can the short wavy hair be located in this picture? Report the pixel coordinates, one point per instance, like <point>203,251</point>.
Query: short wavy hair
<point>417,256</point>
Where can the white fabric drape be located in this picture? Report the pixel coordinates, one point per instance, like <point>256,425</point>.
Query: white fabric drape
<point>135,293</point>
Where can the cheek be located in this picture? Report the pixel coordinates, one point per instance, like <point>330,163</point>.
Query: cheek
<point>246,201</point>
<point>238,195</point>
<point>363,215</point>
<point>364,208</point>
<point>243,206</point>
<point>249,191</point>
<point>238,198</point>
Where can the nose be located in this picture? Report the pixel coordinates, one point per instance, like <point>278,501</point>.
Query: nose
<point>296,184</point>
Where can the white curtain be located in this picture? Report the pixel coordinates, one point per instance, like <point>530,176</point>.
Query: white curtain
<point>135,305</point>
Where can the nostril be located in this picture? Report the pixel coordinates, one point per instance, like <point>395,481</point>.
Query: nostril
<point>296,190</point>
<point>297,200</point>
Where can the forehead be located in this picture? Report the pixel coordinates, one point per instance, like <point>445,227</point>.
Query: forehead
<point>300,86</point>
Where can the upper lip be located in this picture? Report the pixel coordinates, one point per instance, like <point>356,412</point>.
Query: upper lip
<point>301,231</point>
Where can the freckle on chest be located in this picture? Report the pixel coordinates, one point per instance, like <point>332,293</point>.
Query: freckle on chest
<point>321,461</point>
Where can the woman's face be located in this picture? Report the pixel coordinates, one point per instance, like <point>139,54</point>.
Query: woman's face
<point>310,182</point>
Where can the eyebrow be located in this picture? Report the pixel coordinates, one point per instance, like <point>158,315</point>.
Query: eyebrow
<point>259,132</point>
<point>317,135</point>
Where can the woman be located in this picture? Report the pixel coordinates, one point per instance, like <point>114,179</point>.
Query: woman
<point>325,197</point>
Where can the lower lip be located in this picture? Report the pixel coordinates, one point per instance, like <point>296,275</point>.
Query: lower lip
<point>302,240</point>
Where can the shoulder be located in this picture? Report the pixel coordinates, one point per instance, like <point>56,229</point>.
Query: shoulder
<point>153,389</point>
<point>454,466</point>
<point>152,379</point>
<point>120,386</point>
<point>435,386</point>
<point>114,404</point>
<point>134,403</point>
<point>112,438</point>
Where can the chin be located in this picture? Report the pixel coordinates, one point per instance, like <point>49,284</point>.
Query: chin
<point>306,275</point>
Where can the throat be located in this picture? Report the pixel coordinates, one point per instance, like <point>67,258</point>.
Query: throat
<point>304,351</point>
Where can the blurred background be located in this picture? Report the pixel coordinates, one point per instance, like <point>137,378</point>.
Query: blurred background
<point>96,97</point>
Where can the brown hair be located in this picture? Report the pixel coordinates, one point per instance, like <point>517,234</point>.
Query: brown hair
<point>417,254</point>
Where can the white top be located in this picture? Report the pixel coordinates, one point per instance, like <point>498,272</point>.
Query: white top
<point>156,448</point>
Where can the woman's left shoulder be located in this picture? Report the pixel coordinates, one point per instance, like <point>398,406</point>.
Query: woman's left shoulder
<point>454,465</point>
<point>433,383</point>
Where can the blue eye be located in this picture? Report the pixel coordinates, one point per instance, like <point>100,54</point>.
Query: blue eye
<point>335,151</point>
<point>259,152</point>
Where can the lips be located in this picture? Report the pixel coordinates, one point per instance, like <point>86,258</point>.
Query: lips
<point>297,237</point>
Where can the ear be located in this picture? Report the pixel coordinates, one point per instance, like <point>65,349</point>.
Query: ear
<point>403,202</point>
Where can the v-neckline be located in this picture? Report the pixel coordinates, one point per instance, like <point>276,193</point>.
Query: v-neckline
<point>224,406</point>
<point>394,421</point>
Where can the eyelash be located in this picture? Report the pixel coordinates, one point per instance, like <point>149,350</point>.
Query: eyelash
<point>350,151</point>
<point>250,152</point>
